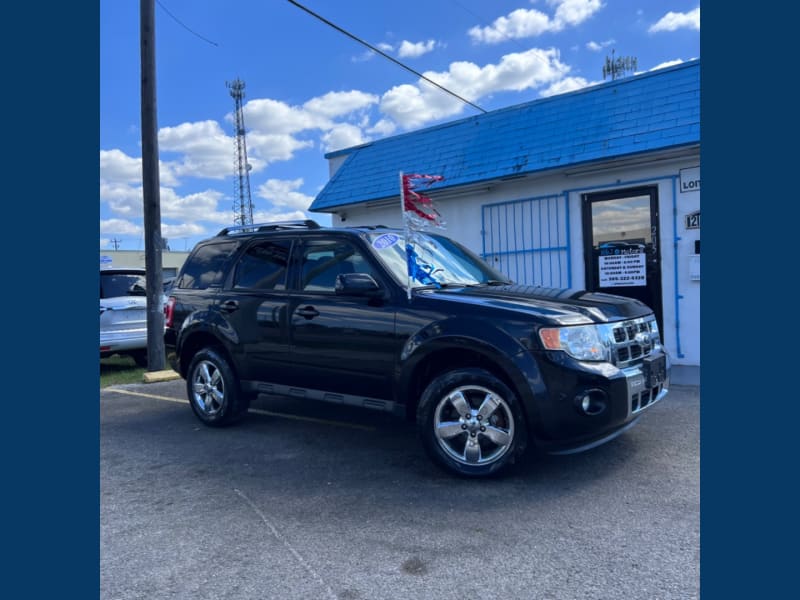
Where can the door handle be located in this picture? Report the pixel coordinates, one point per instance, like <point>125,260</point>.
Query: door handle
<point>308,312</point>
<point>229,306</point>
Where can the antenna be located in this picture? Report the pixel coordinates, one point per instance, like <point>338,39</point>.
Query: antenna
<point>242,202</point>
<point>616,67</point>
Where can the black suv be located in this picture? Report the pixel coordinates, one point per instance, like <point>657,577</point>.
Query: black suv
<point>485,367</point>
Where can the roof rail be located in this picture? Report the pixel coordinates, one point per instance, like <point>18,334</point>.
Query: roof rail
<point>274,226</point>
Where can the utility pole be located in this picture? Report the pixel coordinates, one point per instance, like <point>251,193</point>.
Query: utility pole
<point>116,242</point>
<point>154,280</point>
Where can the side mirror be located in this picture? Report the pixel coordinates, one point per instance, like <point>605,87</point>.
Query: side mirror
<point>356,284</point>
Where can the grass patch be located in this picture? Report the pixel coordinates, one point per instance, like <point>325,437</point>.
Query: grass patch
<point>116,370</point>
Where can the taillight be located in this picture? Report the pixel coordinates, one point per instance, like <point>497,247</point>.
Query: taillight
<point>169,311</point>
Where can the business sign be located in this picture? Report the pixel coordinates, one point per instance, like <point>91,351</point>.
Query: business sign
<point>690,179</point>
<point>105,261</point>
<point>622,270</point>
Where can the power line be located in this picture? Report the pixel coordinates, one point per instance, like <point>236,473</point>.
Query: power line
<point>178,21</point>
<point>376,50</point>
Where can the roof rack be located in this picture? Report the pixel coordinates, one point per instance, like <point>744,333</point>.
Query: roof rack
<point>274,226</point>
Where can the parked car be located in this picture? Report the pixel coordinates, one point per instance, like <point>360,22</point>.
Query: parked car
<point>485,367</point>
<point>123,313</point>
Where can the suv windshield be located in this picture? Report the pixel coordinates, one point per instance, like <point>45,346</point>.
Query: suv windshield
<point>443,261</point>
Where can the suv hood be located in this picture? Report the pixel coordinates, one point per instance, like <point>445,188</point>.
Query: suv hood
<point>559,306</point>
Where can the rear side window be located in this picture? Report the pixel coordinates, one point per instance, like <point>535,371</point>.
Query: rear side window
<point>206,266</point>
<point>263,266</point>
<point>115,285</point>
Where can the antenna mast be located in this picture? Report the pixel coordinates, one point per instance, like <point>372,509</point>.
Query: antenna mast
<point>242,202</point>
<point>617,66</point>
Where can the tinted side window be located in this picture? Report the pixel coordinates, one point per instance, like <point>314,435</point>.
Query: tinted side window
<point>323,261</point>
<point>264,266</point>
<point>206,266</point>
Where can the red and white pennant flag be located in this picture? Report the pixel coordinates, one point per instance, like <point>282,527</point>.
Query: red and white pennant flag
<point>418,210</point>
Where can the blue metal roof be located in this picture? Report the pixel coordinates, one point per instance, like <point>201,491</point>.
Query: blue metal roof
<point>653,111</point>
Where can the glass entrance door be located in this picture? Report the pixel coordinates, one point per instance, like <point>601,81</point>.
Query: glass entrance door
<point>622,246</point>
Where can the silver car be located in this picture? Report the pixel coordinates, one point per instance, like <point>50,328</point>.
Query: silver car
<point>123,313</point>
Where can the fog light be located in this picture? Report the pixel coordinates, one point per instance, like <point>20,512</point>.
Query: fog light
<point>591,402</point>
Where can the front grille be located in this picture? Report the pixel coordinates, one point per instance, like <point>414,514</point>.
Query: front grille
<point>633,340</point>
<point>643,399</point>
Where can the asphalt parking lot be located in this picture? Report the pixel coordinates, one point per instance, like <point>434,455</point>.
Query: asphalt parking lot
<point>319,501</point>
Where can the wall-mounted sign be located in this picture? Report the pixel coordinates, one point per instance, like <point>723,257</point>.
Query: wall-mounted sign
<point>619,270</point>
<point>690,179</point>
<point>694,268</point>
<point>693,220</point>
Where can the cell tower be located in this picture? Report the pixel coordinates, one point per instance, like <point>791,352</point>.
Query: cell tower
<point>617,66</point>
<point>242,202</point>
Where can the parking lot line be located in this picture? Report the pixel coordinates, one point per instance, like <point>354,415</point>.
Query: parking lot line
<point>257,411</point>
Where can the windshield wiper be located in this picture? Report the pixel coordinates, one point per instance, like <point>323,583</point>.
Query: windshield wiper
<point>491,282</point>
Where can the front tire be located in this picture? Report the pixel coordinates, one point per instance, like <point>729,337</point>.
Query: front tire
<point>213,389</point>
<point>471,423</point>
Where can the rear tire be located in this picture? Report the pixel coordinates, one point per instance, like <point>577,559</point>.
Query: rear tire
<point>213,389</point>
<point>471,423</point>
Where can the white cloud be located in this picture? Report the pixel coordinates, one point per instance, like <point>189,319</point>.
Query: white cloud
<point>122,198</point>
<point>414,105</point>
<point>669,63</point>
<point>276,117</point>
<point>363,57</point>
<point>206,150</point>
<point>115,165</point>
<point>270,216</point>
<point>573,12</point>
<point>199,206</point>
<point>414,50</point>
<point>275,125</point>
<point>598,46</point>
<point>672,21</point>
<point>282,194</point>
<point>119,227</point>
<point>183,230</point>
<point>341,136</point>
<point>126,200</point>
<point>383,127</point>
<point>338,104</point>
<point>265,148</point>
<point>524,23</point>
<point>385,47</point>
<point>568,84</point>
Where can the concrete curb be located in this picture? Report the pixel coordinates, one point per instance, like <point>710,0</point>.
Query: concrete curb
<point>156,376</point>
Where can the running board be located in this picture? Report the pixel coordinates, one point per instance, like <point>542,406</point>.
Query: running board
<point>277,389</point>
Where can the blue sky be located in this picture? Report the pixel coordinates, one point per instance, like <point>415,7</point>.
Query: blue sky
<point>310,89</point>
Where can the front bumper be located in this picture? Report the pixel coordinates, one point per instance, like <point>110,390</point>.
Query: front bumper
<point>588,404</point>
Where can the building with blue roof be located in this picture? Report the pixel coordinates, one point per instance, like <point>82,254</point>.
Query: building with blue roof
<point>597,188</point>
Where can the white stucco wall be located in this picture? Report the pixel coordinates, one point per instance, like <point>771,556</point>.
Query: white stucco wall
<point>680,293</point>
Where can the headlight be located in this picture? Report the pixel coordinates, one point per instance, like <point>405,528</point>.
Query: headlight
<point>582,342</point>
